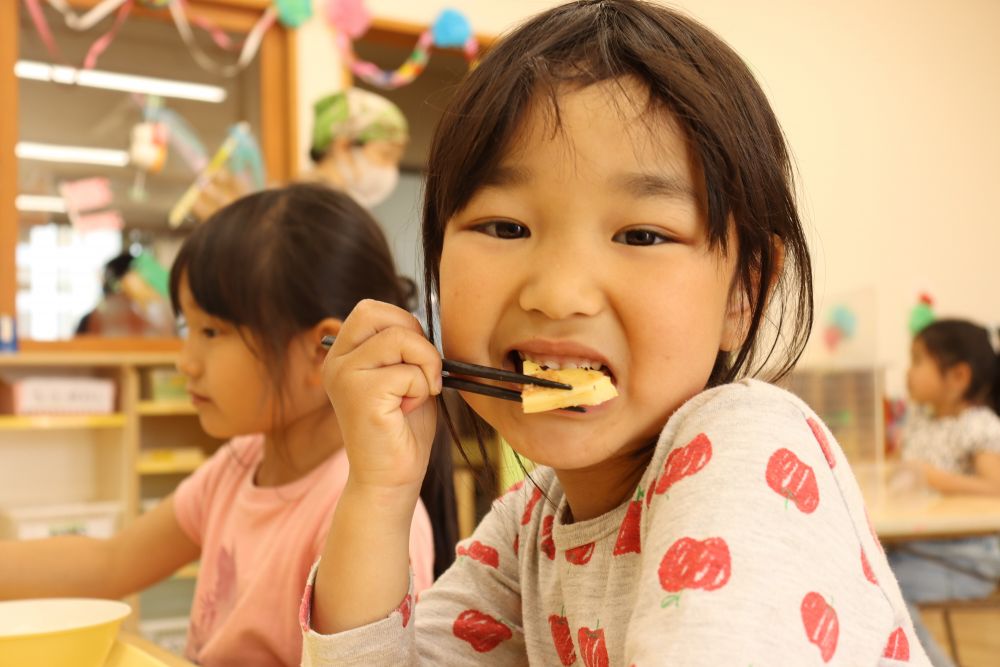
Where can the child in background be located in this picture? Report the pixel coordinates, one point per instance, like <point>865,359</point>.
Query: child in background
<point>609,188</point>
<point>953,440</point>
<point>258,284</point>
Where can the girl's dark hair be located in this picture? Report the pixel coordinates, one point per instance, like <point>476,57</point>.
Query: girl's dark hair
<point>690,73</point>
<point>952,342</point>
<point>279,261</point>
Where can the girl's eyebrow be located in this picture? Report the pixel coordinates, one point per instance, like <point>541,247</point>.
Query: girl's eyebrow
<point>645,185</point>
<point>507,176</point>
<point>638,185</point>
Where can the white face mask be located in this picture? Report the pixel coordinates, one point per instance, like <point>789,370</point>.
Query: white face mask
<point>368,183</point>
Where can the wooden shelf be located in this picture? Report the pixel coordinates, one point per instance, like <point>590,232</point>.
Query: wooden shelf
<point>178,461</point>
<point>86,359</point>
<point>166,408</point>
<point>60,422</point>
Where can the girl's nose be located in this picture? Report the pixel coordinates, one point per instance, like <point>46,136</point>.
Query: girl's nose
<point>187,363</point>
<point>561,283</point>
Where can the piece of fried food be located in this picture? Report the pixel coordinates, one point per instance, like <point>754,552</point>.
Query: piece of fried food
<point>590,387</point>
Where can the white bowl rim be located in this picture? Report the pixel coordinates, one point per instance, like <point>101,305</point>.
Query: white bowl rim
<point>110,611</point>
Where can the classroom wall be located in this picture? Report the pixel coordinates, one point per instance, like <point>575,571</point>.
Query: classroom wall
<point>892,110</point>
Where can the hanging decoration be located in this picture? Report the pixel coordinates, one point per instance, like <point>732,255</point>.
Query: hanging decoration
<point>293,12</point>
<point>87,204</point>
<point>241,154</point>
<point>248,50</point>
<point>87,21</point>
<point>841,325</point>
<point>351,20</point>
<point>148,147</point>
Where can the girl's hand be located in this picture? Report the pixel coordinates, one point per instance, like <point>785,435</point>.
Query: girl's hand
<point>381,375</point>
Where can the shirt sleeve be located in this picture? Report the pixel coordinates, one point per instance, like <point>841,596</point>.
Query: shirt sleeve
<point>470,616</point>
<point>988,433</point>
<point>754,550</point>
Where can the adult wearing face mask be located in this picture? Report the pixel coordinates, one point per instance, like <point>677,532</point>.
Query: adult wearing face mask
<point>358,141</point>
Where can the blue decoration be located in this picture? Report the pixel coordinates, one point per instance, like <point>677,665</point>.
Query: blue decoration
<point>451,30</point>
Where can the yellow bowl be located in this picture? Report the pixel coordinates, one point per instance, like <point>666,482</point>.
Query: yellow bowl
<point>67,632</point>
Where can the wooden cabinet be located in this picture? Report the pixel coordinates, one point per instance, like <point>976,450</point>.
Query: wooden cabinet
<point>130,458</point>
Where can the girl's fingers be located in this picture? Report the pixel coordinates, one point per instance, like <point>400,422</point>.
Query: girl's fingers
<point>376,335</point>
<point>367,319</point>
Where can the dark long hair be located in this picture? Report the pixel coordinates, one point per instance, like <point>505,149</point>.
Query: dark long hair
<point>688,72</point>
<point>952,342</point>
<point>278,262</point>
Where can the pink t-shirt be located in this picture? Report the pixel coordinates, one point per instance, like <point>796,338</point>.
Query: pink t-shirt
<point>257,545</point>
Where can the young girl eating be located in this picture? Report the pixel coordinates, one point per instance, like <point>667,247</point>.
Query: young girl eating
<point>609,189</point>
<point>258,285</point>
<point>953,440</point>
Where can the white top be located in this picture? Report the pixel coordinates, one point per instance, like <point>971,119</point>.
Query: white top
<point>951,443</point>
<point>746,542</point>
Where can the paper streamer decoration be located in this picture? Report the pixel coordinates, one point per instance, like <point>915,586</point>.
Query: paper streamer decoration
<point>247,53</point>
<point>293,11</point>
<point>449,30</point>
<point>91,18</point>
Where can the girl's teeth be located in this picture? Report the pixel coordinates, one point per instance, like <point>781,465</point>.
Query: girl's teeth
<point>556,365</point>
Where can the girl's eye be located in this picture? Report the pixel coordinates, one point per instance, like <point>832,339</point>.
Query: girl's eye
<point>504,229</point>
<point>209,332</point>
<point>640,236</point>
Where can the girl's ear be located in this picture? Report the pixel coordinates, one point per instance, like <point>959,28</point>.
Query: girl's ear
<point>327,327</point>
<point>957,380</point>
<point>738,311</point>
<point>317,353</point>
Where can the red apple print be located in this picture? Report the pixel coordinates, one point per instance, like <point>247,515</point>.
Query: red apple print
<point>483,632</point>
<point>866,567</point>
<point>480,552</point>
<point>592,647</point>
<point>898,646</point>
<point>684,462</point>
<point>404,609</point>
<point>547,545</point>
<point>824,444</point>
<point>562,638</point>
<point>820,621</point>
<point>793,479</point>
<point>580,555</point>
<point>517,543</point>
<point>690,563</point>
<point>536,495</point>
<point>628,535</point>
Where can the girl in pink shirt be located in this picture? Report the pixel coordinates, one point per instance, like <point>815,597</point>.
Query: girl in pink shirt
<point>258,286</point>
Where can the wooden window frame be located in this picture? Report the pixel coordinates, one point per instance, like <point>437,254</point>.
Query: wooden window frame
<point>278,140</point>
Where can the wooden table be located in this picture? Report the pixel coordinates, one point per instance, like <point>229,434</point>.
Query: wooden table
<point>902,510</point>
<point>149,654</point>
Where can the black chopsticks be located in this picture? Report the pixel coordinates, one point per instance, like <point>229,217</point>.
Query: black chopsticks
<point>453,368</point>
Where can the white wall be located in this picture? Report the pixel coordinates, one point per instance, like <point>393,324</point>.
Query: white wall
<point>892,109</point>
